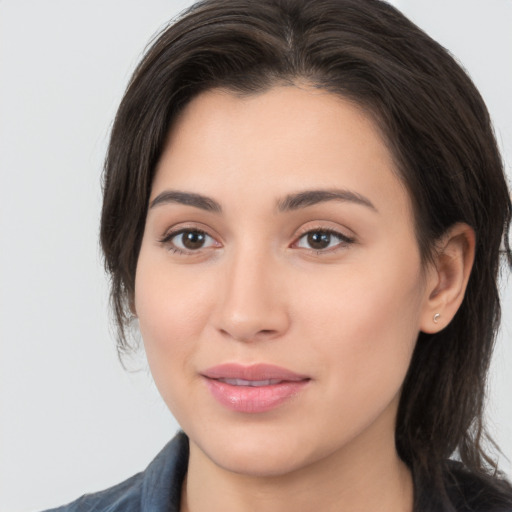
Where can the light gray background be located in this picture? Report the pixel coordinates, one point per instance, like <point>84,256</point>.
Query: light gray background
<point>71,419</point>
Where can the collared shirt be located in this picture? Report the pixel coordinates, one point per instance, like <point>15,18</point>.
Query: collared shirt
<point>157,489</point>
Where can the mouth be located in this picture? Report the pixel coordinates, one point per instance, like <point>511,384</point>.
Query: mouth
<point>253,389</point>
<point>251,383</point>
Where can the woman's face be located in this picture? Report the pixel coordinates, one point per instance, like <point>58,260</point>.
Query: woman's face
<point>279,288</point>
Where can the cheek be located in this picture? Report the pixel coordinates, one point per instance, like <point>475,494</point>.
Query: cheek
<point>172,309</point>
<point>366,325</point>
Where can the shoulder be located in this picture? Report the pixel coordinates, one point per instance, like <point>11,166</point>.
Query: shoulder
<point>156,489</point>
<point>470,492</point>
<point>124,496</point>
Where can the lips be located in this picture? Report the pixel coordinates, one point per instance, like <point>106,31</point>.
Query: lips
<point>253,383</point>
<point>253,389</point>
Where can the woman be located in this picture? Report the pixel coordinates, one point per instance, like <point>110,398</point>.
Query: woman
<point>303,208</point>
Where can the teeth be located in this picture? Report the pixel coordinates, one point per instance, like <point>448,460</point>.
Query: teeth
<point>253,383</point>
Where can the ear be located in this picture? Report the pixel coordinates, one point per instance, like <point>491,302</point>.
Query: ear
<point>447,277</point>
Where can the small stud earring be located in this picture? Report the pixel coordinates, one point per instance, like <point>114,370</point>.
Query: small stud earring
<point>437,316</point>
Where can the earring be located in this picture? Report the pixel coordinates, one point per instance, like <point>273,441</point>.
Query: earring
<point>437,316</point>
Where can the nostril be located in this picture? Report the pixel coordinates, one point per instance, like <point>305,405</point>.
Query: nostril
<point>258,320</point>
<point>249,335</point>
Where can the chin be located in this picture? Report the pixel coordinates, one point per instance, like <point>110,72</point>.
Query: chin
<point>258,462</point>
<point>256,452</point>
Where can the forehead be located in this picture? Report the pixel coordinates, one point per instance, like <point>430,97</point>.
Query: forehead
<point>269,143</point>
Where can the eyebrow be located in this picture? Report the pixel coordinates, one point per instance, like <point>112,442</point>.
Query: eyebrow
<point>312,197</point>
<point>186,198</point>
<point>289,203</point>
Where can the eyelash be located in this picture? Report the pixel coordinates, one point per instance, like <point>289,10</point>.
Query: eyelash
<point>344,240</point>
<point>167,240</point>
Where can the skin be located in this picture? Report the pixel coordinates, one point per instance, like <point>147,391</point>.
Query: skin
<point>347,316</point>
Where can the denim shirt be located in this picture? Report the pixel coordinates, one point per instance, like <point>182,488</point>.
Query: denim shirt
<point>157,489</point>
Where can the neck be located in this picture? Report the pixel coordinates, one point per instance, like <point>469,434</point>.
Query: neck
<point>367,475</point>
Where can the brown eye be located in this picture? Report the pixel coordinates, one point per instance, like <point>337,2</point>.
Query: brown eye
<point>321,239</point>
<point>318,239</point>
<point>193,239</point>
<point>190,240</point>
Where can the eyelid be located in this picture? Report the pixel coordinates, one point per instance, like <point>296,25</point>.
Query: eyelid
<point>345,239</point>
<point>329,226</point>
<point>167,238</point>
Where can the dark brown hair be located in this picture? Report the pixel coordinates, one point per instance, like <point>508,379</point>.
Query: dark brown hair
<point>436,126</point>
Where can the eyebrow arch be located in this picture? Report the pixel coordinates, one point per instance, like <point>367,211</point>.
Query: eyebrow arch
<point>312,197</point>
<point>186,198</point>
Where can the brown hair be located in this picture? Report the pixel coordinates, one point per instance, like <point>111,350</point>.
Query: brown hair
<point>437,127</point>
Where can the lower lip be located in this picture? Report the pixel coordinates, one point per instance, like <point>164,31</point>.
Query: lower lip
<point>254,399</point>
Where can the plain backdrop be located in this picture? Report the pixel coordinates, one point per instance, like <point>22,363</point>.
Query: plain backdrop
<point>71,419</point>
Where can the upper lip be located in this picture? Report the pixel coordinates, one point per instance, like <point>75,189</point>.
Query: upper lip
<point>253,372</point>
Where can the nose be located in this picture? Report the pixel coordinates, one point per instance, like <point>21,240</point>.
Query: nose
<point>252,302</point>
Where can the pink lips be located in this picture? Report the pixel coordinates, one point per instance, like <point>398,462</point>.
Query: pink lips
<point>253,389</point>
